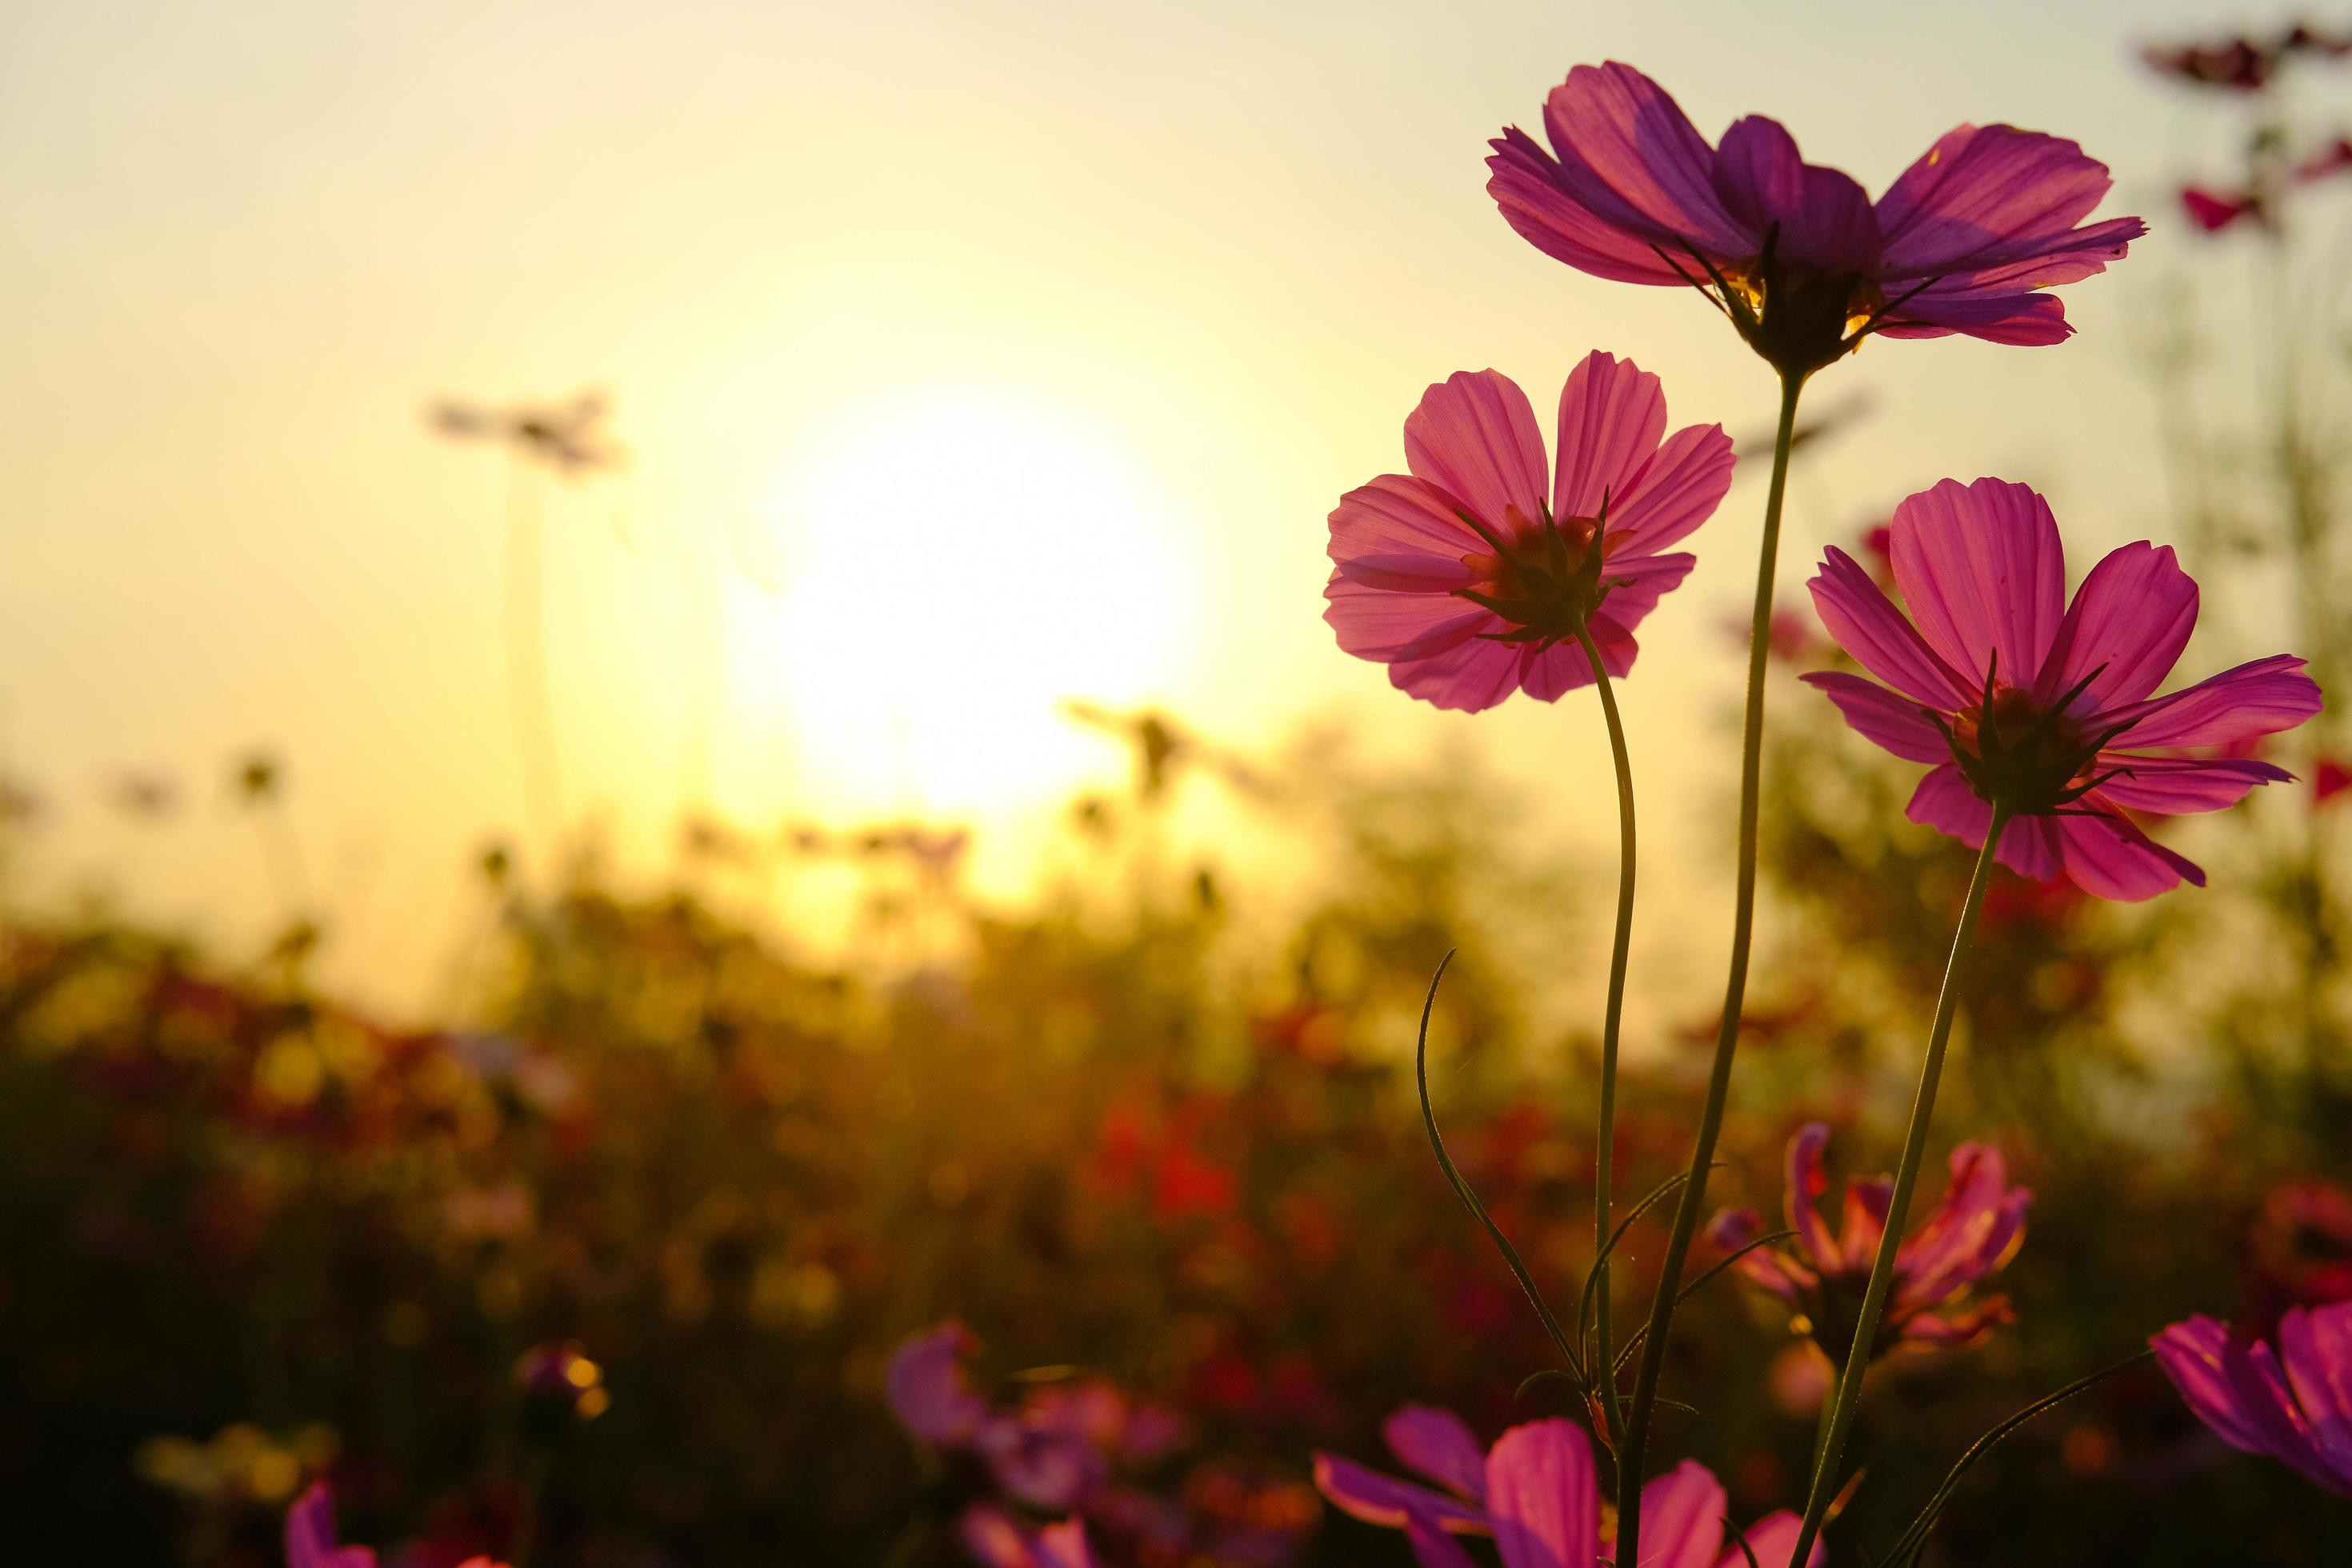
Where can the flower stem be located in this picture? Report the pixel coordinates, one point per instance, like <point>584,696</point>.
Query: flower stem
<point>1726,1039</point>
<point>1605,1358</point>
<point>1848,1393</point>
<point>527,678</point>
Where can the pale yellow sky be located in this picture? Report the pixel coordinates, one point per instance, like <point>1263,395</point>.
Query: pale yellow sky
<point>854,276</point>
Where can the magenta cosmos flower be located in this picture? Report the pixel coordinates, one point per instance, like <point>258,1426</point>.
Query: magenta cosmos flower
<point>1973,1232</point>
<point>310,1536</point>
<point>2042,708</point>
<point>2293,1403</point>
<point>1798,255</point>
<point>1470,576</point>
<point>1537,1493</point>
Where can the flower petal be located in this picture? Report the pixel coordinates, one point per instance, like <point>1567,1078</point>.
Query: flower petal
<point>2028,844</point>
<point>2236,1390</point>
<point>1985,194</point>
<point>1630,156</point>
<point>1376,1499</point>
<point>311,1534</point>
<point>2178,785</point>
<point>1399,515</point>
<point>1676,491</point>
<point>1983,574</point>
<point>2126,627</point>
<point>2257,699</point>
<point>1867,625</point>
<point>1773,1539</point>
<point>1473,435</point>
<point>1807,1182</point>
<point>1823,217</point>
<point>1064,1546</point>
<point>1438,1445</point>
<point>1612,416</point>
<point>2018,320</point>
<point>2110,857</point>
<point>928,1390</point>
<point>1544,1497</point>
<point>1682,1517</point>
<point>1432,1547</point>
<point>1383,623</point>
<point>1901,726</point>
<point>1735,1228</point>
<point>1636,584</point>
<point>1469,676</point>
<point>1525,183</point>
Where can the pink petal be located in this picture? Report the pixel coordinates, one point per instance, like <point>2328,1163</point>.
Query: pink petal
<point>2238,1393</point>
<point>928,1390</point>
<point>2178,785</point>
<point>1984,575</point>
<point>1385,624</point>
<point>2108,857</point>
<point>2126,627</point>
<point>1525,182</point>
<point>1399,515</point>
<point>1063,1545</point>
<point>2028,844</point>
<point>1971,1233</point>
<point>1676,491</point>
<point>1735,1228</point>
<point>1823,217</point>
<point>1630,156</point>
<point>1682,1517</point>
<point>311,1534</point>
<point>1868,1199</point>
<point>1544,1497</point>
<point>1773,1539</point>
<point>1983,196</point>
<point>1901,727</point>
<point>2257,699</point>
<point>2315,1345</point>
<point>1376,1499</point>
<point>1438,1445</point>
<point>1635,585</point>
<point>1807,1182</point>
<point>1867,625</point>
<point>1473,435</point>
<point>991,1539</point>
<point>2019,319</point>
<point>1611,417</point>
<point>1469,677</point>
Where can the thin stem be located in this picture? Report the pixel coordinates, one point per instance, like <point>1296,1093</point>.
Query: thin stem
<point>1898,1206</point>
<point>1602,1360</point>
<point>1726,1039</point>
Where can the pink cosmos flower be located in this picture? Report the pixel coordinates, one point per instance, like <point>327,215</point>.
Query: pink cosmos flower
<point>1973,1232</point>
<point>310,1536</point>
<point>2214,211</point>
<point>1537,1493</point>
<point>1470,576</point>
<point>996,1539</point>
<point>1797,255</point>
<point>2020,698</point>
<point>2293,1403</point>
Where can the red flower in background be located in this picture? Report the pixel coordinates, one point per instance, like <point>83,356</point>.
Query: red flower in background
<point>2299,1250</point>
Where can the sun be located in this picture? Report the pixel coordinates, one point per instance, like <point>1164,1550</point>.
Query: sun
<point>944,568</point>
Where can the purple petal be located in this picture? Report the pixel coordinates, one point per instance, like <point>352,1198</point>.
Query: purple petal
<point>2108,857</point>
<point>1432,1547</point>
<point>1989,196</point>
<point>1630,155</point>
<point>2178,785</point>
<point>2257,699</point>
<point>1636,584</point>
<point>1611,417</point>
<point>1473,435</point>
<point>1896,723</point>
<point>1377,1499</point>
<point>2316,1346</point>
<point>1399,515</point>
<point>1525,182</point>
<point>1773,1539</point>
<point>1682,1517</point>
<point>927,1388</point>
<point>1807,1182</point>
<point>2028,844</point>
<point>1438,1445</point>
<point>1971,1233</point>
<point>1380,623</point>
<point>1982,571</point>
<point>1874,631</point>
<point>2237,1390</point>
<point>1823,217</point>
<point>1544,1497</point>
<point>1735,1228</point>
<point>311,1534</point>
<point>2018,320</point>
<point>2126,627</point>
<point>1676,491</point>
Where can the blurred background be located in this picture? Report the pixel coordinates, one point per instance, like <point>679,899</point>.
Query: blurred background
<point>663,718</point>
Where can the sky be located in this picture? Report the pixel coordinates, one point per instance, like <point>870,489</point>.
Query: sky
<point>967,356</point>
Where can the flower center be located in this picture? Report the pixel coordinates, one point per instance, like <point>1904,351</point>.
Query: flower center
<point>1542,577</point>
<point>1799,316</point>
<point>2016,753</point>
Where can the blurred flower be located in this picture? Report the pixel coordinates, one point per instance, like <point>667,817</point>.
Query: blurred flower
<point>2300,1248</point>
<point>2329,779</point>
<point>2294,1404</point>
<point>258,776</point>
<point>994,1538</point>
<point>310,1536</point>
<point>1037,1458</point>
<point>569,437</point>
<point>2239,64</point>
<point>240,1463</point>
<point>2331,160</point>
<point>928,1391</point>
<point>2016,698</point>
<point>1795,254</point>
<point>2214,211</point>
<point>139,793</point>
<point>1471,583</point>
<point>1972,1234</point>
<point>561,1378</point>
<point>1537,1492</point>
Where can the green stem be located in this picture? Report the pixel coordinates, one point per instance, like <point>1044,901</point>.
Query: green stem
<point>1603,1359</point>
<point>1726,1039</point>
<point>1848,1393</point>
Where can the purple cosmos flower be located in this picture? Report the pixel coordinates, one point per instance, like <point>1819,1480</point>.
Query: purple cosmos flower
<point>1472,576</point>
<point>1975,1231</point>
<point>996,1539</point>
<point>2293,1403</point>
<point>1537,1493</point>
<point>1798,255</point>
<point>2019,699</point>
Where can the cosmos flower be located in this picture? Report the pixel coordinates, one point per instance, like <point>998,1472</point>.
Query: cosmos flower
<point>1472,576</point>
<point>1797,255</point>
<point>2214,211</point>
<point>996,1539</point>
<point>2019,700</point>
<point>1537,1493</point>
<point>310,1537</point>
<point>1975,1231</point>
<point>2293,1403</point>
